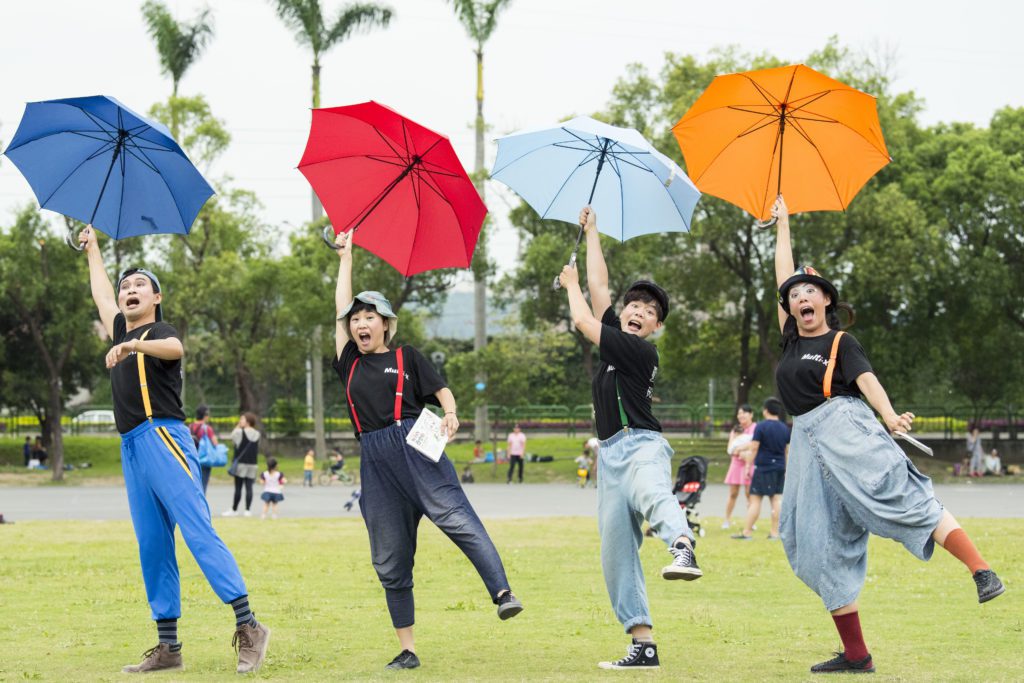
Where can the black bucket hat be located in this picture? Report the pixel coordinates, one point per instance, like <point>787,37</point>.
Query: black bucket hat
<point>806,274</point>
<point>655,291</point>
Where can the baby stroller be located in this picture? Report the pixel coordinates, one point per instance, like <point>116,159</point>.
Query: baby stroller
<point>691,479</point>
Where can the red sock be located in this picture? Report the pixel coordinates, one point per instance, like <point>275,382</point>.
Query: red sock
<point>959,545</point>
<point>848,626</point>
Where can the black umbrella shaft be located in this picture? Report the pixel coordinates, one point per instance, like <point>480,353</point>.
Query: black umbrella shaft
<point>782,139</point>
<point>121,135</point>
<point>386,191</point>
<point>600,165</point>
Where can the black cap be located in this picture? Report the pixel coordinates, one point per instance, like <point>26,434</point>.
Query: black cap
<point>656,292</point>
<point>806,274</point>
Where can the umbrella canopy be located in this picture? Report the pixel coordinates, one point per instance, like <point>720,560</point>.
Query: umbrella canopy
<point>634,188</point>
<point>96,160</point>
<point>790,130</point>
<point>400,184</point>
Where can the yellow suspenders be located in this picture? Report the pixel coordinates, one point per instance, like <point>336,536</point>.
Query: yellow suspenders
<point>162,432</point>
<point>141,359</point>
<point>827,384</point>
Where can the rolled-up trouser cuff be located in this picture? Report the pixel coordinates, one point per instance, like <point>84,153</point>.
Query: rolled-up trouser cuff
<point>638,621</point>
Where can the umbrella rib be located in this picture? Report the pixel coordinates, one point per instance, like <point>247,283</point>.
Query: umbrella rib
<point>789,88</point>
<point>740,107</point>
<point>714,159</point>
<point>144,161</point>
<point>68,176</point>
<point>388,143</point>
<point>99,122</point>
<point>565,182</point>
<point>166,184</point>
<point>771,164</point>
<point>828,171</point>
<point>593,146</point>
<point>107,137</point>
<point>523,155</point>
<point>773,121</point>
<point>811,99</point>
<point>762,92</point>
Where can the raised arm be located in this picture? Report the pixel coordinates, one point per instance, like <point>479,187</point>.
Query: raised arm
<point>879,400</point>
<point>783,251</point>
<point>597,270</point>
<point>582,318</point>
<point>343,292</point>
<point>102,291</point>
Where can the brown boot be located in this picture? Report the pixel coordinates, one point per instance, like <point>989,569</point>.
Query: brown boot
<point>159,658</point>
<point>250,642</point>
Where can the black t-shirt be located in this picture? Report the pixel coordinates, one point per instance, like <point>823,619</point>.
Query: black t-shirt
<point>376,380</point>
<point>634,363</point>
<point>163,378</point>
<point>772,437</point>
<point>801,372</point>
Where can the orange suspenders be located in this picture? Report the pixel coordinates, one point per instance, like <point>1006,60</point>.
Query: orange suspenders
<point>827,384</point>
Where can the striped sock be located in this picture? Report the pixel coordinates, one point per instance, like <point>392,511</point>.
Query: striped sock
<point>167,632</point>
<point>243,615</point>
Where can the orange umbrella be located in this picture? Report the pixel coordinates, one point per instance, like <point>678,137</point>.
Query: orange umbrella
<point>790,131</point>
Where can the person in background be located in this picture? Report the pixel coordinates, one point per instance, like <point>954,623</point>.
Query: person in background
<point>767,451</point>
<point>516,452</point>
<point>26,450</point>
<point>740,471</point>
<point>308,465</point>
<point>273,488</point>
<point>975,452</point>
<point>39,452</point>
<point>246,463</point>
<point>200,428</point>
<point>993,464</point>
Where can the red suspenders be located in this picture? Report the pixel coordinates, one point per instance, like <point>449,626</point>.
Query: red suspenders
<point>398,390</point>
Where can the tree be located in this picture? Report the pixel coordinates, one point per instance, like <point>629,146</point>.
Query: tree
<point>179,44</point>
<point>51,346</point>
<point>479,19</point>
<point>306,19</point>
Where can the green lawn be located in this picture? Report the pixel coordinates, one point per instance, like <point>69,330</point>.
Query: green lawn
<point>103,452</point>
<point>74,608</point>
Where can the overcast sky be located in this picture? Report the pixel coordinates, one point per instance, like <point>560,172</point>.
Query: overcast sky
<point>547,60</point>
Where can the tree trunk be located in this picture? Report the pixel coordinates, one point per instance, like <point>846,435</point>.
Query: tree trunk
<point>480,255</point>
<point>248,399</point>
<point>746,325</point>
<point>319,443</point>
<point>55,410</point>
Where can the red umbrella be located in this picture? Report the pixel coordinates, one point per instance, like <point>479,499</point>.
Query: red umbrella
<point>400,184</point>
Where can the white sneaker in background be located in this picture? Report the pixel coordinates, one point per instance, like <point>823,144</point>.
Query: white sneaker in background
<point>247,513</point>
<point>229,513</point>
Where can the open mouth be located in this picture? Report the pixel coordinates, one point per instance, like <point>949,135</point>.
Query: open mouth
<point>634,326</point>
<point>363,337</point>
<point>807,313</point>
<point>131,302</point>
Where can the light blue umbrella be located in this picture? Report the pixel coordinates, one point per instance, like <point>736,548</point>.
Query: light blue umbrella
<point>96,160</point>
<point>634,188</point>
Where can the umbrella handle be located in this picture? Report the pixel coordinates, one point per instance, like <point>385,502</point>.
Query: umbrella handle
<point>329,236</point>
<point>557,285</point>
<point>764,225</point>
<point>69,239</point>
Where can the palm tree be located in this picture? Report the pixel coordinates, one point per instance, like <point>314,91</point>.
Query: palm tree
<point>306,19</point>
<point>479,18</point>
<point>179,44</point>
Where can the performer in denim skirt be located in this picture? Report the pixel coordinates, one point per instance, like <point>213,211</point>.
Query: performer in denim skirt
<point>635,460</point>
<point>386,390</point>
<point>846,476</point>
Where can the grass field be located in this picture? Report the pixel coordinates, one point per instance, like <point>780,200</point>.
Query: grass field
<point>74,608</point>
<point>103,453</point>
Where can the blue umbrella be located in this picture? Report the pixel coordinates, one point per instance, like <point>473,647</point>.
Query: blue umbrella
<point>634,188</point>
<point>95,160</point>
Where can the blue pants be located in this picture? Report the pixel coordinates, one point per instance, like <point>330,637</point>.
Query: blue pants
<point>847,478</point>
<point>161,473</point>
<point>634,483</point>
<point>399,486</point>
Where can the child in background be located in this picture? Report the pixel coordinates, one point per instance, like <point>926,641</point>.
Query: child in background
<point>273,483</point>
<point>308,464</point>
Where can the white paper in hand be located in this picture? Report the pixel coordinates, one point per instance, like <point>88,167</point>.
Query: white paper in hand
<point>428,435</point>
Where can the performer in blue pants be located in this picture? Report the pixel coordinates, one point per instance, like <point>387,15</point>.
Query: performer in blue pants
<point>161,468</point>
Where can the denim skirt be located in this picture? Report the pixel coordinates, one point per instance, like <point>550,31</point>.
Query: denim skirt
<point>846,477</point>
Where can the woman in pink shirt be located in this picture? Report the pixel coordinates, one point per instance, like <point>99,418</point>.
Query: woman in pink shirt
<point>740,471</point>
<point>516,451</point>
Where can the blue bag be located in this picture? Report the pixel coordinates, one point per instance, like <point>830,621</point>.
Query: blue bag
<point>210,455</point>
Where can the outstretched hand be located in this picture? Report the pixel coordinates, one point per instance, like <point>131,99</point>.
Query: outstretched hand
<point>344,242</point>
<point>568,276</point>
<point>779,209</point>
<point>588,219</point>
<point>119,352</point>
<point>87,238</point>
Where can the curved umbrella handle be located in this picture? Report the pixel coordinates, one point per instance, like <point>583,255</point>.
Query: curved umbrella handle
<point>329,236</point>
<point>69,239</point>
<point>764,225</point>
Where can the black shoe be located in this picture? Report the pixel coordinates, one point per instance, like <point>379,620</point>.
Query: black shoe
<point>638,656</point>
<point>840,664</point>
<point>989,585</point>
<point>684,564</point>
<point>508,606</point>
<point>404,660</point>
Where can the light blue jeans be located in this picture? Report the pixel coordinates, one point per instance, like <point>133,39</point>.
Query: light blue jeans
<point>634,483</point>
<point>846,478</point>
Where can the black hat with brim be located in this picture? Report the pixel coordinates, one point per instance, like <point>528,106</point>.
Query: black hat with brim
<point>806,274</point>
<point>655,291</point>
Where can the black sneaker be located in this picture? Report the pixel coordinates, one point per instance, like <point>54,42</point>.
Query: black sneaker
<point>989,585</point>
<point>840,664</point>
<point>508,606</point>
<point>404,660</point>
<point>684,564</point>
<point>638,656</point>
